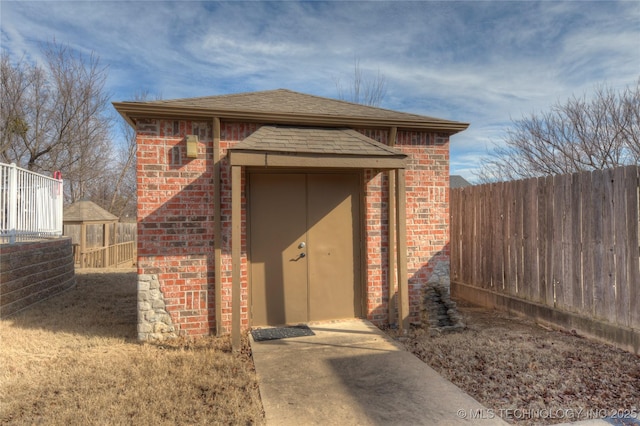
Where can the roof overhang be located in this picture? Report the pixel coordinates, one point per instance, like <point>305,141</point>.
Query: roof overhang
<point>133,111</point>
<point>279,159</point>
<point>312,147</point>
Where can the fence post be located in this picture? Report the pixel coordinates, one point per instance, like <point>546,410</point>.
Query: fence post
<point>59,205</point>
<point>13,202</point>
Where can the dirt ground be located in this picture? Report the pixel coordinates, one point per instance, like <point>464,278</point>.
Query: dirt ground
<point>529,374</point>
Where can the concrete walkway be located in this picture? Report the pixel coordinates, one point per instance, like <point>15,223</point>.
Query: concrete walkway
<point>351,373</point>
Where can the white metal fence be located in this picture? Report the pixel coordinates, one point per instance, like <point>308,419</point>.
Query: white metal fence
<point>30,205</point>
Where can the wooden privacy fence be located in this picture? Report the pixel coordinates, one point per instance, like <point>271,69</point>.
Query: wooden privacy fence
<point>568,242</point>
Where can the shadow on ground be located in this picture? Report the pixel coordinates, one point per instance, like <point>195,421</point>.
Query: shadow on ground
<point>103,304</point>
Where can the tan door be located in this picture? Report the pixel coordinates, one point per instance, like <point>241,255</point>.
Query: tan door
<point>304,247</point>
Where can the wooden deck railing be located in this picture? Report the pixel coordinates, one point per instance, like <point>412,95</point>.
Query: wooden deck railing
<point>114,256</point>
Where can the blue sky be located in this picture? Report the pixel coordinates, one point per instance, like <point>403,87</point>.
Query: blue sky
<point>481,62</point>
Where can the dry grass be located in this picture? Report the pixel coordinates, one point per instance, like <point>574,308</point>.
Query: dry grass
<point>74,360</point>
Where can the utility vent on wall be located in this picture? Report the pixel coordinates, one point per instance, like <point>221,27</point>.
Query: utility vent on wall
<point>192,146</point>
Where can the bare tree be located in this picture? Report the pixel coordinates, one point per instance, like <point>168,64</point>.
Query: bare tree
<point>362,90</point>
<point>123,196</point>
<point>123,190</point>
<point>54,116</point>
<point>581,134</point>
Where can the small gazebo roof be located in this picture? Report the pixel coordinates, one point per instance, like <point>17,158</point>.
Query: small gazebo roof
<point>87,211</point>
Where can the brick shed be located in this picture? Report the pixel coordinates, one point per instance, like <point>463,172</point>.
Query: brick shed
<point>278,207</point>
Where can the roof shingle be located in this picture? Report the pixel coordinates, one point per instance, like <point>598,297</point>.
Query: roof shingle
<point>310,140</point>
<point>284,106</point>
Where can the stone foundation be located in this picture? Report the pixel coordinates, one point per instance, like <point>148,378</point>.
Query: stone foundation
<point>154,322</point>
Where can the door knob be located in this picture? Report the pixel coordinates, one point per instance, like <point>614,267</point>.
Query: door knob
<point>300,256</point>
<point>302,245</point>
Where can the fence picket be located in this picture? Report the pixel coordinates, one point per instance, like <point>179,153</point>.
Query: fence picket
<point>475,240</point>
<point>453,234</point>
<point>632,183</point>
<point>620,234</point>
<point>556,242</point>
<point>510,258</point>
<point>588,276</point>
<point>576,242</point>
<point>497,232</point>
<point>530,236</point>
<point>549,235</point>
<point>597,246</point>
<point>567,243</point>
<point>608,245</point>
<point>487,241</point>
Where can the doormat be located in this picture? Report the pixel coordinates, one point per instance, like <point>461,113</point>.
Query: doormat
<point>275,333</point>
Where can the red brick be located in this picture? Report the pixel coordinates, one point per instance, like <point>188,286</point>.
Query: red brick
<point>178,201</point>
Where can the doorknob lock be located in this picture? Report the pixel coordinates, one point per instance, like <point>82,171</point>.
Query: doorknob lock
<point>302,245</point>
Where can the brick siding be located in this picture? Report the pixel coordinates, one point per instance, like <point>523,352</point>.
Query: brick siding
<point>176,223</point>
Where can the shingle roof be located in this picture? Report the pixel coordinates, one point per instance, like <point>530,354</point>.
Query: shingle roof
<point>314,141</point>
<point>86,211</point>
<point>284,106</point>
<point>287,101</point>
<point>456,181</point>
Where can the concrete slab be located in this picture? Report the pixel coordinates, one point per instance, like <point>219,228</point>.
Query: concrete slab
<point>351,373</point>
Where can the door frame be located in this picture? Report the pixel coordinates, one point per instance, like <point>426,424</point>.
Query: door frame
<point>361,245</point>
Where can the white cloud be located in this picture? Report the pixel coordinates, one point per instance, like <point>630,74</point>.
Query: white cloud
<point>478,62</point>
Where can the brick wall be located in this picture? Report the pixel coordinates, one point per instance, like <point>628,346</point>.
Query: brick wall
<point>34,271</point>
<point>175,229</point>
<point>175,221</point>
<point>230,135</point>
<point>427,185</point>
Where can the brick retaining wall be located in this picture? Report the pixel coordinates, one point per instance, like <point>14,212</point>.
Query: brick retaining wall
<point>34,271</point>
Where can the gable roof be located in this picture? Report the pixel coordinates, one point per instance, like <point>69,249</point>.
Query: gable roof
<point>314,140</point>
<point>457,181</point>
<point>314,147</point>
<point>86,211</point>
<point>284,106</point>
